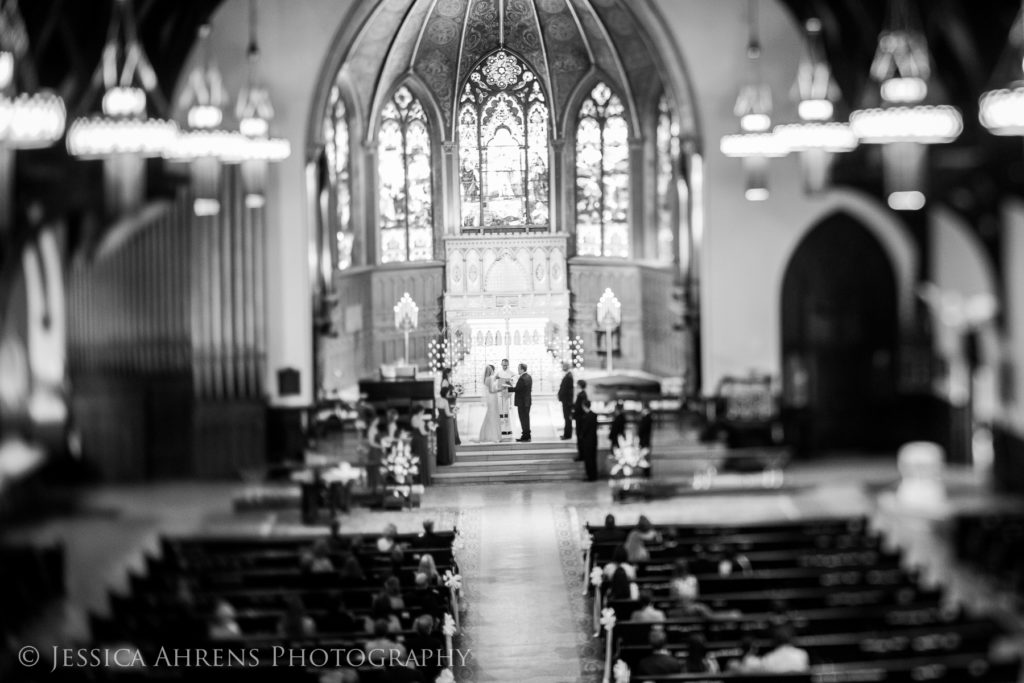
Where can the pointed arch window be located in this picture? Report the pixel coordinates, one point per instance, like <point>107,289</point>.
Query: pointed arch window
<point>666,156</point>
<point>336,149</point>
<point>404,177</point>
<point>602,176</point>
<point>503,147</point>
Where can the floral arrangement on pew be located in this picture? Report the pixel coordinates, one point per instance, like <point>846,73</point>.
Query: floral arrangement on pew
<point>453,582</point>
<point>608,622</point>
<point>448,629</point>
<point>621,672</point>
<point>400,468</point>
<point>630,461</point>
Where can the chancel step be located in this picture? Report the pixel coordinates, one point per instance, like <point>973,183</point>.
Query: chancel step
<point>490,463</point>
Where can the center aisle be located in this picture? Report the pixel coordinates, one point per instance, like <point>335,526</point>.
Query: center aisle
<point>520,619</point>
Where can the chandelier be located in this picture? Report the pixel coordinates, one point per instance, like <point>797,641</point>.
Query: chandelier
<point>903,124</point>
<point>816,137</point>
<point>122,135</point>
<point>1002,110</point>
<point>756,143</point>
<point>27,120</point>
<point>255,111</point>
<point>205,145</point>
<point>208,143</point>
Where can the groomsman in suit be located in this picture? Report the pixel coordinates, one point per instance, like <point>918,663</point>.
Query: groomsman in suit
<point>577,412</point>
<point>523,401</point>
<point>586,439</point>
<point>565,398</point>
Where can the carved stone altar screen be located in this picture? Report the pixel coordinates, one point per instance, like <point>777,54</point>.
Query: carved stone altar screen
<point>507,296</point>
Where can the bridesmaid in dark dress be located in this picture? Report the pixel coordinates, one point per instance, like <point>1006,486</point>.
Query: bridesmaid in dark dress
<point>446,381</point>
<point>446,431</point>
<point>420,443</point>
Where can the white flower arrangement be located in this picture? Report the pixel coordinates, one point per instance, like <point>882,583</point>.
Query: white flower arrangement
<point>449,625</point>
<point>452,580</point>
<point>608,618</point>
<point>596,577</point>
<point>446,676</point>
<point>620,671</point>
<point>630,459</point>
<point>400,464</point>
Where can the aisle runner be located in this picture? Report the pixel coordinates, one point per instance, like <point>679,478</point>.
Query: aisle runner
<point>519,623</point>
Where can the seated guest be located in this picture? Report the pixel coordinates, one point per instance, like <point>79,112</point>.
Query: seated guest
<point>785,657</point>
<point>316,560</point>
<point>388,539</point>
<point>427,538</point>
<point>747,658</point>
<point>223,626</point>
<point>659,662</point>
<point>698,661</point>
<point>620,558</point>
<point>686,606</point>
<point>393,592</point>
<point>733,561</point>
<point>622,587</point>
<point>647,531</point>
<point>683,582</point>
<point>295,623</point>
<point>380,647</point>
<point>392,564</point>
<point>426,648</point>
<point>383,613</point>
<point>647,611</point>
<point>428,567</point>
<point>636,547</point>
<point>339,676</point>
<point>426,596</point>
<point>351,571</point>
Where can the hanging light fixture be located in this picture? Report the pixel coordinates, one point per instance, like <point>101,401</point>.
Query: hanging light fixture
<point>255,111</point>
<point>27,120</point>
<point>1002,110</point>
<point>756,144</point>
<point>206,144</point>
<point>817,137</point>
<point>903,124</point>
<point>122,136</point>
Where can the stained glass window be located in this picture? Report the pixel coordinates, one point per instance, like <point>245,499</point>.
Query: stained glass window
<point>602,176</point>
<point>503,147</point>
<point>337,151</point>
<point>668,199</point>
<point>403,167</point>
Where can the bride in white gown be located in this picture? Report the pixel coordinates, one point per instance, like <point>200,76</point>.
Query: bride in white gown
<point>490,430</point>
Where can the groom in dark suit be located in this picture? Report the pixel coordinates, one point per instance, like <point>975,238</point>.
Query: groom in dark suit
<point>523,400</point>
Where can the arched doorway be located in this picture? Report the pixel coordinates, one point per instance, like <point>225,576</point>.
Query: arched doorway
<point>839,340</point>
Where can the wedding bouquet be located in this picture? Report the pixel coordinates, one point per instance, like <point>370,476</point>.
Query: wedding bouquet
<point>457,390</point>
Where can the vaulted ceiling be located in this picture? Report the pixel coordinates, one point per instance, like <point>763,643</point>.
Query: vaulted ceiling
<point>966,38</point>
